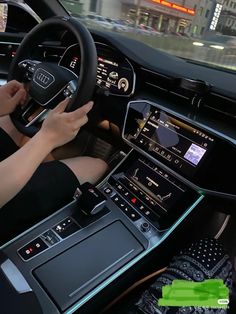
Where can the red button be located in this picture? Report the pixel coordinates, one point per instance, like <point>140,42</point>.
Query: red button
<point>134,200</point>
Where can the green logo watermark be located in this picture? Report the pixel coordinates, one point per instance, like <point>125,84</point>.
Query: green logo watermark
<point>211,293</point>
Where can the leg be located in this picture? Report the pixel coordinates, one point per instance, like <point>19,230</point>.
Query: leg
<point>87,169</point>
<point>19,138</point>
<point>7,125</point>
<point>51,187</point>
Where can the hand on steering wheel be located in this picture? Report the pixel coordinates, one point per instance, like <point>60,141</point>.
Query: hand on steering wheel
<point>12,94</point>
<point>50,83</point>
<point>61,127</point>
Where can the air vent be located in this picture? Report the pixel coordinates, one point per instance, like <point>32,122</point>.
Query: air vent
<point>165,83</point>
<point>156,80</point>
<point>221,104</point>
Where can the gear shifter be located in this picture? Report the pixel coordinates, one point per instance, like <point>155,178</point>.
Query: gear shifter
<point>90,198</point>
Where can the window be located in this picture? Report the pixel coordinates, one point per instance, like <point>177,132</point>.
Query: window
<point>3,17</point>
<point>93,6</point>
<point>195,29</point>
<point>207,13</point>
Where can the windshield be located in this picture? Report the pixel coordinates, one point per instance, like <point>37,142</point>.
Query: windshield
<point>199,30</point>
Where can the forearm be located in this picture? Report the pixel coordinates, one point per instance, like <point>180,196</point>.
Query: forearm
<point>16,170</point>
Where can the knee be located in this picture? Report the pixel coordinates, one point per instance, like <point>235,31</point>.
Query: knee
<point>102,165</point>
<point>98,170</point>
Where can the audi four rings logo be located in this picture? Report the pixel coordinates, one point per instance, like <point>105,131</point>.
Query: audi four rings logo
<point>43,78</point>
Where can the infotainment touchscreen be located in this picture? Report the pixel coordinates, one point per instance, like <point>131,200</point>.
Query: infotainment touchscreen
<point>167,138</point>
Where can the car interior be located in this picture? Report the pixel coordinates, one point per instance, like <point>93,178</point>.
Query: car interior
<point>165,126</point>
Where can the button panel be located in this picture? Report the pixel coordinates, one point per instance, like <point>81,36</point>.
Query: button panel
<point>142,196</point>
<point>32,249</point>
<point>66,228</point>
<point>145,210</point>
<point>128,210</point>
<point>49,238</point>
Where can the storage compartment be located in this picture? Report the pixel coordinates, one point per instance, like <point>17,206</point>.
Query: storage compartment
<point>70,275</point>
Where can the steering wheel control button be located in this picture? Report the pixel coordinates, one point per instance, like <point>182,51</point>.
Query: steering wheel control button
<point>145,227</point>
<point>50,237</point>
<point>70,89</point>
<point>32,249</point>
<point>29,68</point>
<point>66,228</point>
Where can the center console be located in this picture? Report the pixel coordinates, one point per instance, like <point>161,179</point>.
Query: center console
<point>74,254</point>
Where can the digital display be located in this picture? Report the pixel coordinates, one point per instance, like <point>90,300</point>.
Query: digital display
<point>167,138</point>
<point>156,185</point>
<point>152,191</point>
<point>114,72</point>
<point>110,76</point>
<point>194,154</point>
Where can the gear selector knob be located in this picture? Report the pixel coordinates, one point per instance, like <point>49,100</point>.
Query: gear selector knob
<point>90,198</point>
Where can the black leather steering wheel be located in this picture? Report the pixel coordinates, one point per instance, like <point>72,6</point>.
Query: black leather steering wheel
<point>49,83</point>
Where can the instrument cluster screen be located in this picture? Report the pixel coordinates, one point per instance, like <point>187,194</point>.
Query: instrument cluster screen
<point>114,72</point>
<point>166,137</point>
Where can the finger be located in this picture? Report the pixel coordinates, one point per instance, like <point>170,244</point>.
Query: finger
<point>82,121</point>
<point>87,107</point>
<point>61,107</point>
<point>82,111</point>
<point>14,85</point>
<point>79,124</point>
<point>24,98</point>
<point>18,97</point>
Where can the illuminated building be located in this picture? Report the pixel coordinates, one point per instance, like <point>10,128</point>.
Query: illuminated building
<point>227,19</point>
<point>192,17</point>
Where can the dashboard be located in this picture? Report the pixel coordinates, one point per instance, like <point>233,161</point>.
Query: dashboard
<point>160,120</point>
<point>115,73</point>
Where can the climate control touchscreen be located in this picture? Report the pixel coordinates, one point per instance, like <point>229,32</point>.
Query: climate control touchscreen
<point>157,187</point>
<point>166,137</point>
<point>153,192</point>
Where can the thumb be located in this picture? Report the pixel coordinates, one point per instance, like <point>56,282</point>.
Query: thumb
<point>61,106</point>
<point>19,97</point>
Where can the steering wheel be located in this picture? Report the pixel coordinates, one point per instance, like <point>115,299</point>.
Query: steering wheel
<point>48,82</point>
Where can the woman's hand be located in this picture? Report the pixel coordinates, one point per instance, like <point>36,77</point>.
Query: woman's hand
<point>12,94</point>
<point>58,128</point>
<point>61,127</point>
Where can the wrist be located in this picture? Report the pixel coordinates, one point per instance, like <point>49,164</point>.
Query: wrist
<point>45,141</point>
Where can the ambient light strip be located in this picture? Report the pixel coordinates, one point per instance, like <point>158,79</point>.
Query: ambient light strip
<point>175,6</point>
